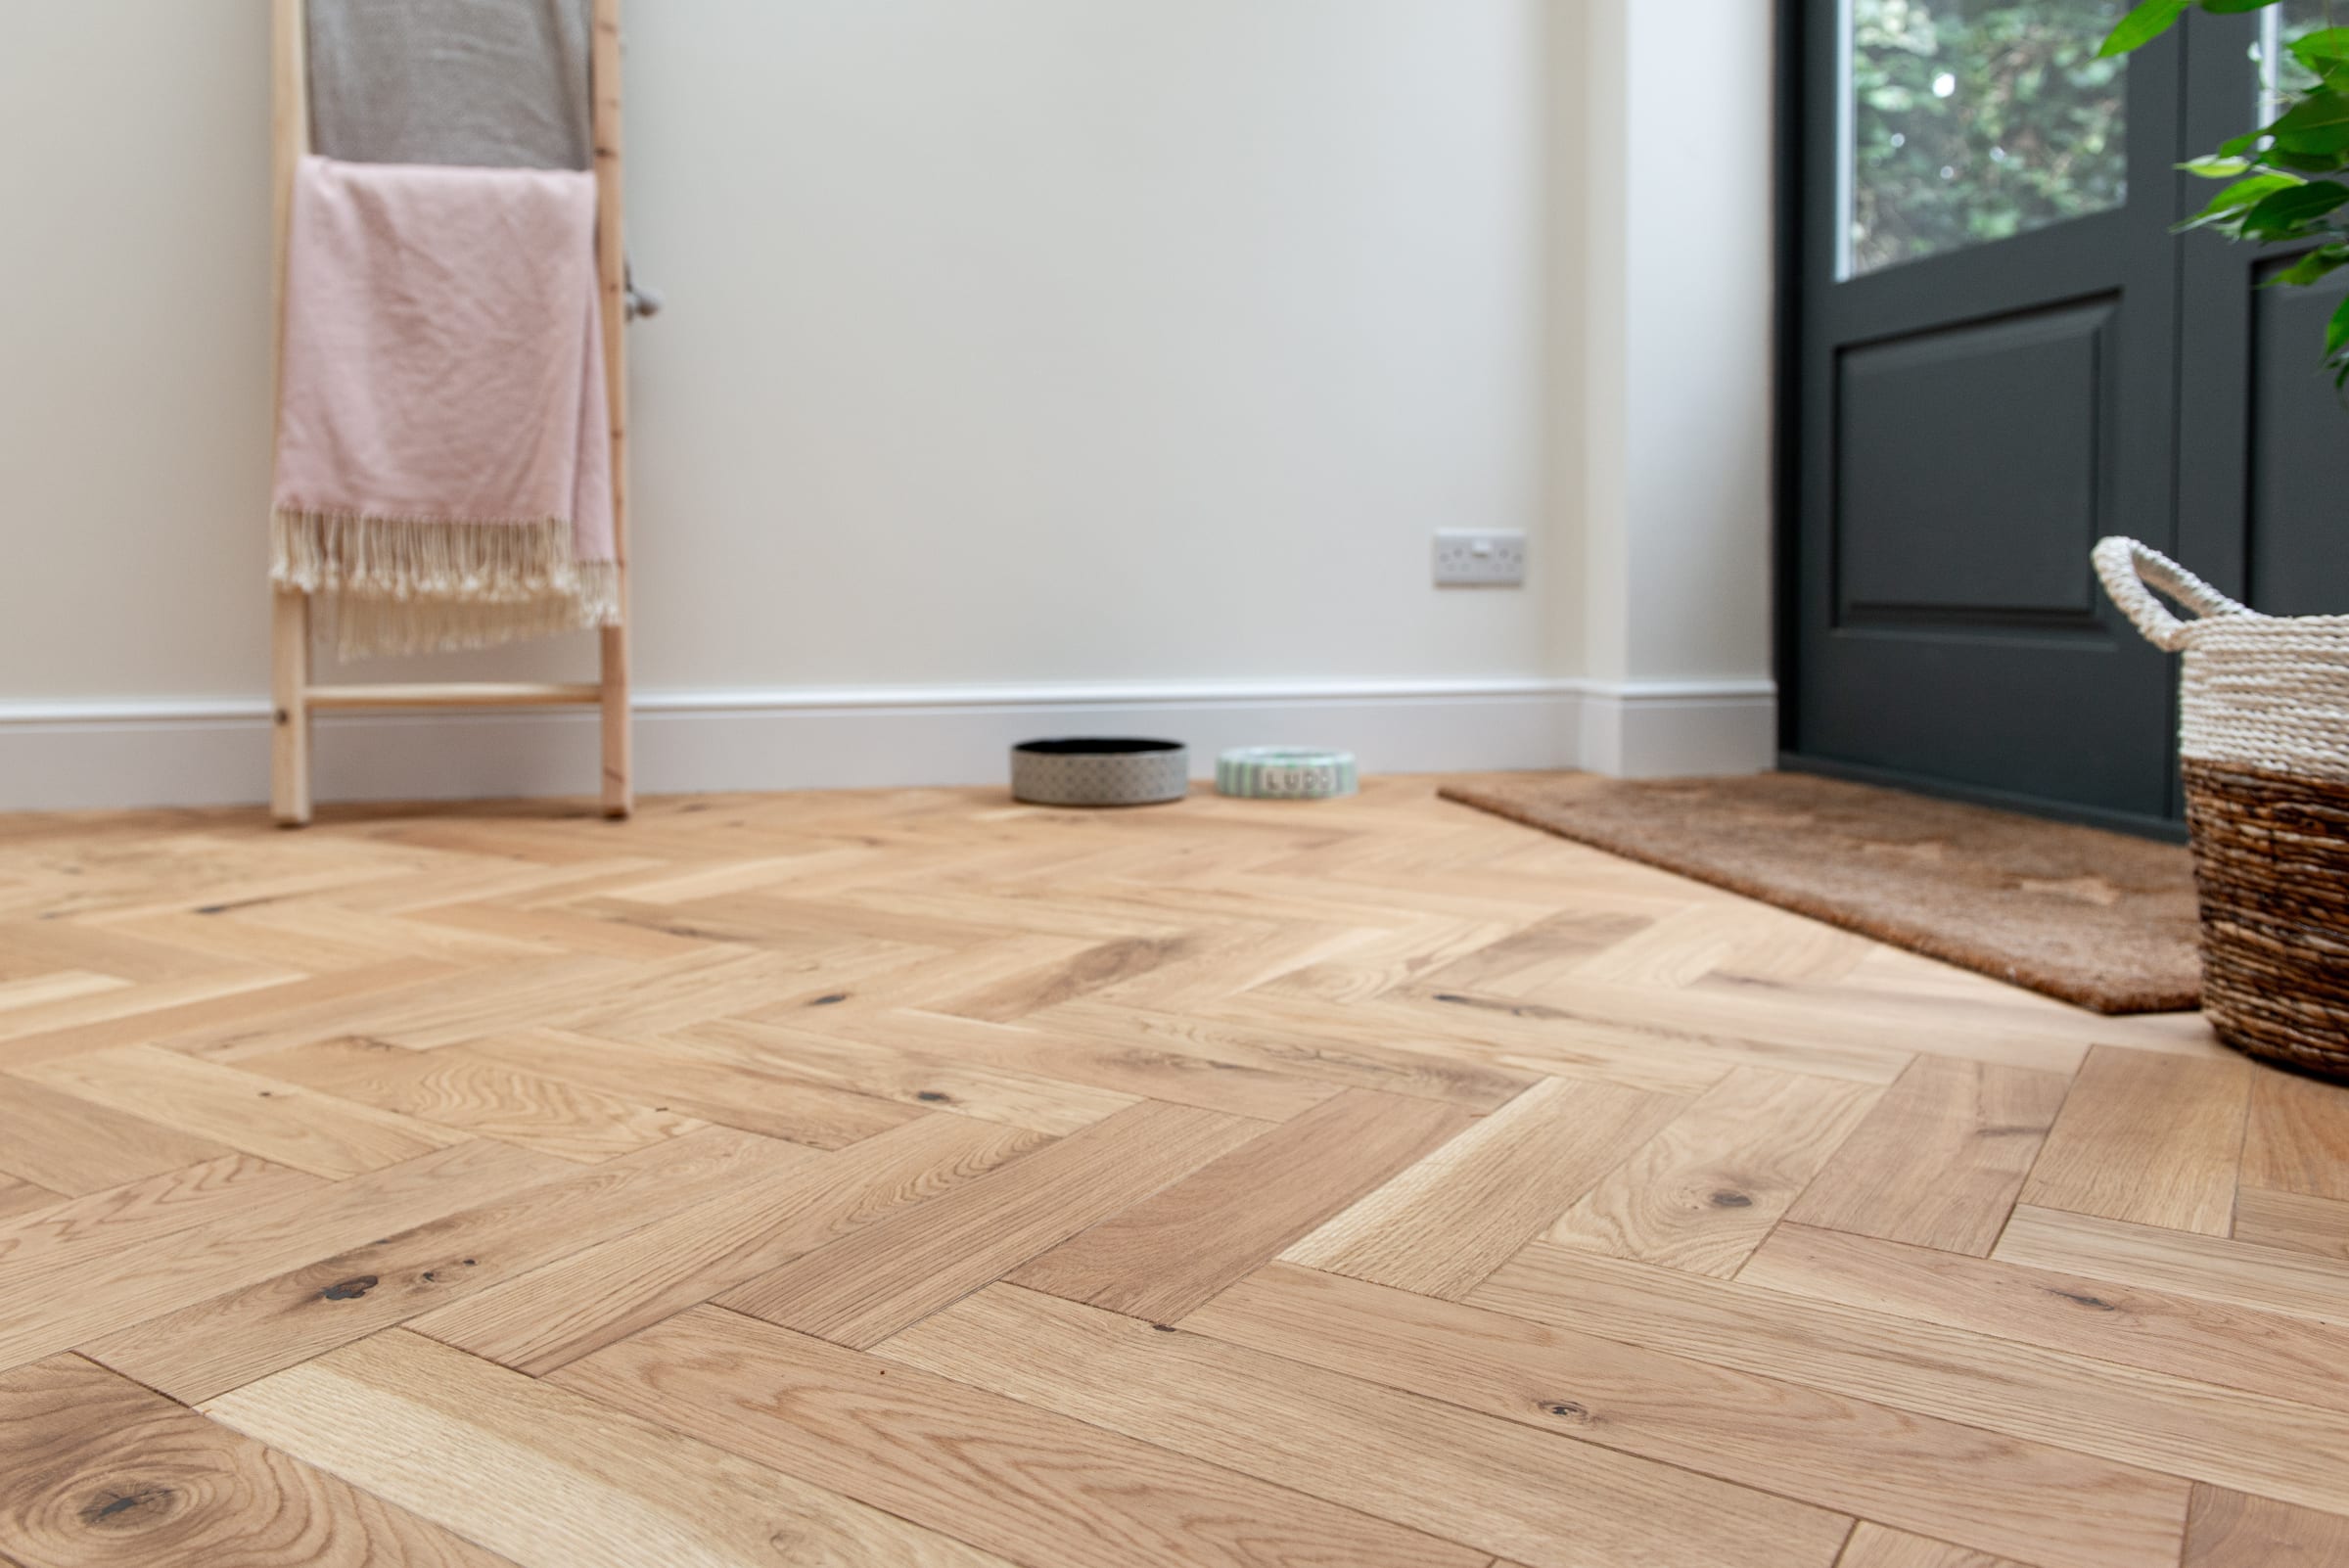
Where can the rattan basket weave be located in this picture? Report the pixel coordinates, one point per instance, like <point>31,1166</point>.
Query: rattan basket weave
<point>2264,731</point>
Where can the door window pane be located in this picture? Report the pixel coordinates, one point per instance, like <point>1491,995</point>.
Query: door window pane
<point>2280,76</point>
<point>1974,120</point>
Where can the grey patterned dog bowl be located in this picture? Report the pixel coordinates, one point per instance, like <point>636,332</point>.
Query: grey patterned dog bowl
<point>1100,772</point>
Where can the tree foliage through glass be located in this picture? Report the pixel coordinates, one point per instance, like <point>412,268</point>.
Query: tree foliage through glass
<point>1980,119</point>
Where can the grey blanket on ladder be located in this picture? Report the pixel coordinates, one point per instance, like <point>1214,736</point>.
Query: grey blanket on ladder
<point>482,83</point>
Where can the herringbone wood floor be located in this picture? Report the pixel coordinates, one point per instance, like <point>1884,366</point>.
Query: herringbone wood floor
<point>915,1179</point>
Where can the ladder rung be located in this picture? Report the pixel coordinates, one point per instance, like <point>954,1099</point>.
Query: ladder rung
<point>456,694</point>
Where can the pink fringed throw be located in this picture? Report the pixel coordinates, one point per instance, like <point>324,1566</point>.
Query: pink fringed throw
<point>443,450</point>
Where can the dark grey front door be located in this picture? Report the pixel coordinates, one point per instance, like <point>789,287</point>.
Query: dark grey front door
<point>2001,352</point>
<point>1988,354</point>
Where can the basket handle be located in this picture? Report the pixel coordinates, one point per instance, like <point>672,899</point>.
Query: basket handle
<point>2126,567</point>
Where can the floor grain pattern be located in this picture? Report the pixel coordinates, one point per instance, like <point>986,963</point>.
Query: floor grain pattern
<point>918,1179</point>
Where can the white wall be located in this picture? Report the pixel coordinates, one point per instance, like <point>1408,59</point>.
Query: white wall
<point>1025,360</point>
<point>1673,287</point>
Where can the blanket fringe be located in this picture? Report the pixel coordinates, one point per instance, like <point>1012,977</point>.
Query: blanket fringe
<point>409,585</point>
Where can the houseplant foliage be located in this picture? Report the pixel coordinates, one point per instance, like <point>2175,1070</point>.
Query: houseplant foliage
<point>2279,179</point>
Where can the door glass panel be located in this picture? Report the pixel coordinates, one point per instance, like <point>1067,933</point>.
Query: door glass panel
<point>2278,74</point>
<point>1972,121</point>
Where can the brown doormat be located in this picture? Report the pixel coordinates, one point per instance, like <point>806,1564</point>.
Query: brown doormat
<point>2091,917</point>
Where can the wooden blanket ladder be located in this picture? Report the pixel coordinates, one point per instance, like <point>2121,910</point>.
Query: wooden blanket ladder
<point>295,696</point>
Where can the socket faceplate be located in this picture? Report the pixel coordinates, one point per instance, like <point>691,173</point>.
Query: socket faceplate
<point>1480,558</point>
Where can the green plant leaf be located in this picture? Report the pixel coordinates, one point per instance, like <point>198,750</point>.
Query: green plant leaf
<point>2309,269</point>
<point>2323,51</point>
<point>2240,198</point>
<point>2143,26</point>
<point>2211,167</point>
<point>2286,214</point>
<point>2229,8</point>
<point>2336,331</point>
<point>2317,125</point>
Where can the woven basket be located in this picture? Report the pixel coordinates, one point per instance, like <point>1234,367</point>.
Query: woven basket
<point>2264,731</point>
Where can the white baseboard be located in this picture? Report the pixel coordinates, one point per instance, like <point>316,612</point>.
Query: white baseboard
<point>65,756</point>
<point>1678,729</point>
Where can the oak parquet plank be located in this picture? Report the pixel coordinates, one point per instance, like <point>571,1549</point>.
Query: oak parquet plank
<point>1169,1253</point>
<point>554,1479</point>
<point>1519,1037</point>
<point>2293,1221</point>
<point>2228,1530</point>
<point>669,1077</point>
<point>2298,1136</point>
<point>1031,1484</point>
<point>1039,1103</point>
<point>1493,1484</point>
<point>452,1087</point>
<point>1449,1221</point>
<point>1935,1477</point>
<point>1356,1058</point>
<point>603,1292</point>
<point>144,1211</point>
<point>1875,1546</point>
<point>53,1304</point>
<point>97,1471</point>
<point>1155,1070</point>
<point>1939,1159</point>
<point>2149,1138</point>
<point>74,1146</point>
<point>2150,1420</point>
<point>16,1197</point>
<point>867,1285</point>
<point>276,1121</point>
<point>1703,1192</point>
<point>2264,1352</point>
<point>211,1346</point>
<point>2268,1278</point>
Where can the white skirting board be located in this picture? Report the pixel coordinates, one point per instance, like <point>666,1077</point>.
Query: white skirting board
<point>67,756</point>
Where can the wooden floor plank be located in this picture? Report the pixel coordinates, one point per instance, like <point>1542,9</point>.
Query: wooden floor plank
<point>97,1472</point>
<point>1490,1483</point>
<point>671,1077</point>
<point>453,1088</point>
<point>1875,1546</point>
<point>2228,1530</point>
<point>54,1303</point>
<point>2269,1278</point>
<point>1939,1159</point>
<point>1126,1064</point>
<point>2095,1158</point>
<point>1034,1485</point>
<point>553,1479</point>
<point>1365,1059</point>
<point>1703,1192</point>
<point>604,1292</point>
<point>1039,1104</point>
<point>2293,1222</point>
<point>2298,1138</point>
<point>1169,1253</point>
<point>2262,1352</point>
<point>140,1213</point>
<point>279,1122</point>
<point>1450,1220</point>
<point>867,1285</point>
<point>71,1146</point>
<point>2166,1423</point>
<point>1934,1477</point>
<point>208,1347</point>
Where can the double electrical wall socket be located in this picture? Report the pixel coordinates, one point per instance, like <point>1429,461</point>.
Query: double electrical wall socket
<point>1480,558</point>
